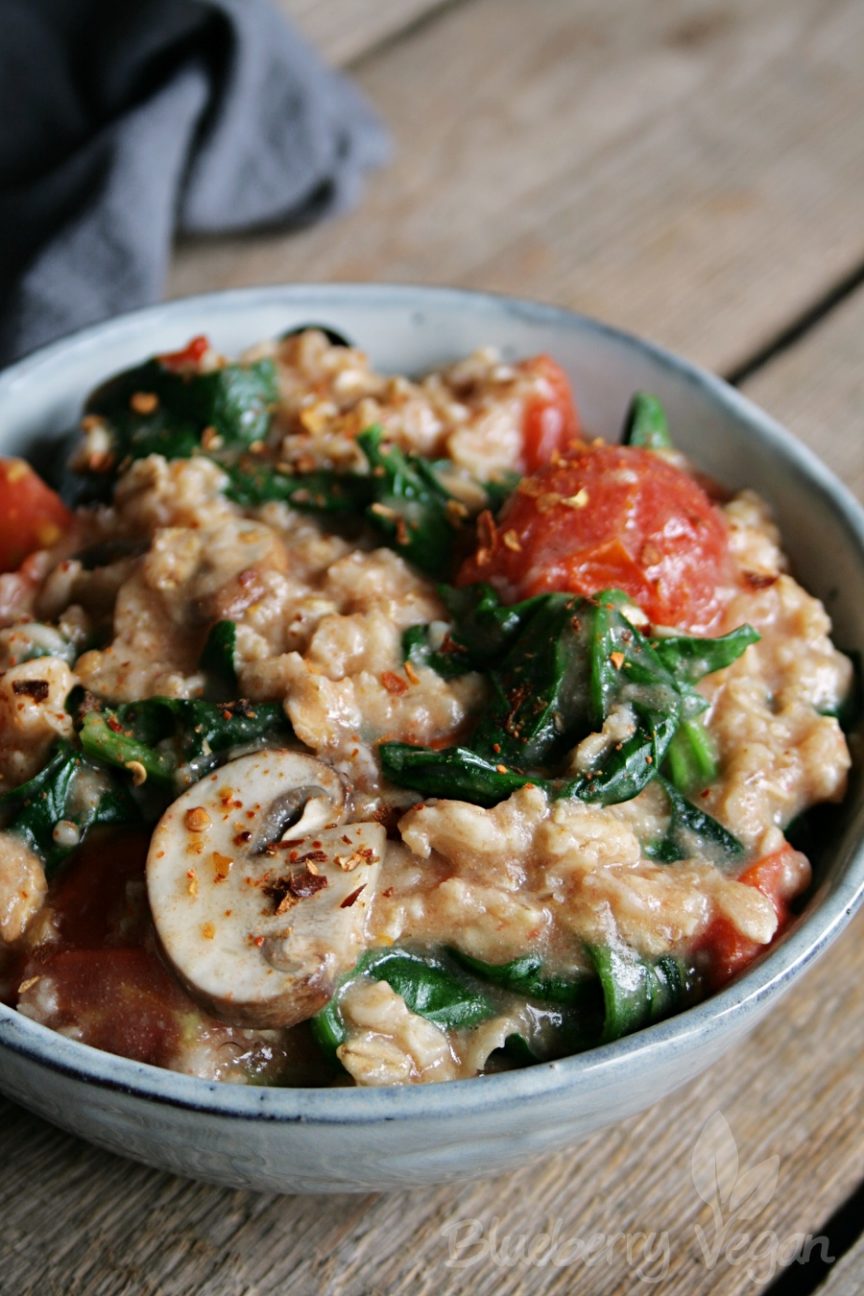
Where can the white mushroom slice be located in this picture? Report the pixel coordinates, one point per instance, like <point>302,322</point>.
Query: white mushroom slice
<point>259,892</point>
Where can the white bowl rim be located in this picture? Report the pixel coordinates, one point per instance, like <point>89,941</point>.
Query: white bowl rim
<point>654,1045</point>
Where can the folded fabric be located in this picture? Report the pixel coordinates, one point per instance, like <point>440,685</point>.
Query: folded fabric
<point>123,123</point>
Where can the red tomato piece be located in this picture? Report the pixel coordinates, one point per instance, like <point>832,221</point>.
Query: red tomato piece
<point>781,876</point>
<point>32,515</point>
<point>610,516</point>
<point>119,999</point>
<point>549,422</point>
<point>99,897</point>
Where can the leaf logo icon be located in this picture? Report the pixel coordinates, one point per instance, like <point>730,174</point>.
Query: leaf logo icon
<point>714,1163</point>
<point>755,1188</point>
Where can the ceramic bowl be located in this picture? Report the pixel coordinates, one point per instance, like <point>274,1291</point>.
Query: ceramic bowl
<point>296,1140</point>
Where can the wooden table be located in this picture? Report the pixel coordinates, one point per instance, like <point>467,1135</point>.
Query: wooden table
<point>689,170</point>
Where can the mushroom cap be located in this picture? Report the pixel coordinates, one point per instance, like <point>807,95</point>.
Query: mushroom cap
<point>260,918</point>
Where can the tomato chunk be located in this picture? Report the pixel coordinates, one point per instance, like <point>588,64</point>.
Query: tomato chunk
<point>32,515</point>
<point>781,876</point>
<point>119,999</point>
<point>610,516</point>
<point>549,421</point>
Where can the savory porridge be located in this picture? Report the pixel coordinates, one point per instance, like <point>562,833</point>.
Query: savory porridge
<point>358,729</point>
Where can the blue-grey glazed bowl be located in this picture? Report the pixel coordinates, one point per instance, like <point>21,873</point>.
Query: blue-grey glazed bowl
<point>301,1140</point>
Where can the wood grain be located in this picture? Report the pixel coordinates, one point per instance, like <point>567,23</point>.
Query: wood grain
<point>817,388</point>
<point>693,172</point>
<point>347,29</point>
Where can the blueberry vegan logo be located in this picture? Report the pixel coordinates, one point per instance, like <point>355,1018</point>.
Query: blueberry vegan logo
<point>727,1234</point>
<point>736,1197</point>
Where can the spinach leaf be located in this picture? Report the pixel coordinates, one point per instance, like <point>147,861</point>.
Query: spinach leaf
<point>417,649</point>
<point>527,976</point>
<point>557,667</point>
<point>427,984</point>
<point>218,655</point>
<point>454,772</point>
<point>410,507</point>
<point>166,734</point>
<point>401,496</point>
<point>646,424</point>
<point>691,758</point>
<point>692,831</point>
<point>253,484</point>
<point>691,658</point>
<point>484,627</point>
<point>56,794</point>
<point>636,992</point>
<point>561,665</point>
<point>539,693</point>
<point>156,409</point>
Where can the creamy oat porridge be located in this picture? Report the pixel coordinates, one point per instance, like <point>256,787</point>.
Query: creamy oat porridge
<point>363,729</point>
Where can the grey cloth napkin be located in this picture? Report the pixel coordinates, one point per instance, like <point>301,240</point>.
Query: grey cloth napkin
<point>123,122</point>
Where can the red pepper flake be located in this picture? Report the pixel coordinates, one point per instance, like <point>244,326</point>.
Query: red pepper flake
<point>759,580</point>
<point>487,538</point>
<point>38,690</point>
<point>411,673</point>
<point>242,838</point>
<point>449,644</point>
<point>349,899</point>
<point>287,892</point>
<point>258,941</point>
<point>393,683</point>
<point>222,866</point>
<point>191,354</point>
<point>208,931</point>
<point>617,659</point>
<point>502,769</point>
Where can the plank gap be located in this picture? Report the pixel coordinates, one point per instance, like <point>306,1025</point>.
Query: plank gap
<point>795,330</point>
<point>844,1228</point>
<point>426,18</point>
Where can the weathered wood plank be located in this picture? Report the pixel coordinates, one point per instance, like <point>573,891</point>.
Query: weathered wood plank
<point>817,388</point>
<point>694,172</point>
<point>344,30</point>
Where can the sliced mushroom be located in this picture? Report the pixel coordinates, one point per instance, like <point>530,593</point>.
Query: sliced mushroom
<point>259,891</point>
